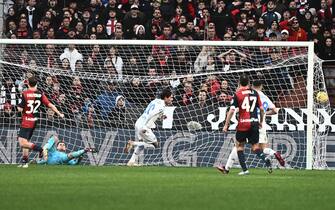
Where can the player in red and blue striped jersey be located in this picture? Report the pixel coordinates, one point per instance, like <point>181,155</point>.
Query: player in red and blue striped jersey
<point>32,99</point>
<point>248,102</point>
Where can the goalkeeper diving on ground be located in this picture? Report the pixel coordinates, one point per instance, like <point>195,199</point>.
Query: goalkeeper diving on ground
<point>54,153</point>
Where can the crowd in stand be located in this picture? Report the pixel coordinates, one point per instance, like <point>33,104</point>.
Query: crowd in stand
<point>261,20</point>
<point>226,20</point>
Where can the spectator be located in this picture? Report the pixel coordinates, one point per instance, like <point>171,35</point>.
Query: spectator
<point>273,29</point>
<point>112,6</point>
<point>72,55</point>
<point>251,32</point>
<point>110,69</point>
<point>118,115</point>
<point>315,35</point>
<point>199,110</point>
<point>79,30</point>
<point>50,60</point>
<point>156,20</point>
<point>132,18</point>
<point>226,88</point>
<point>152,84</point>
<point>135,89</point>
<point>232,59</point>
<point>307,21</point>
<point>96,9</point>
<point>63,29</point>
<point>32,13</point>
<point>88,21</point>
<point>328,49</point>
<point>11,20</point>
<point>223,99</point>
<point>201,62</point>
<point>118,33</point>
<point>154,32</point>
<point>66,65</point>
<point>260,33</point>
<point>139,31</point>
<point>63,104</point>
<point>48,86</point>
<point>44,26</point>
<point>295,31</point>
<point>271,15</point>
<point>100,31</point>
<point>51,33</point>
<point>23,31</point>
<point>222,18</point>
<point>175,20</point>
<point>8,115</point>
<point>36,35</point>
<point>166,33</point>
<point>76,96</point>
<point>106,101</point>
<point>11,28</point>
<point>111,21</point>
<point>213,84</point>
<point>116,60</point>
<point>167,9</point>
<point>285,35</point>
<point>181,33</point>
<point>95,60</point>
<point>211,34</point>
<point>6,92</point>
<point>185,96</point>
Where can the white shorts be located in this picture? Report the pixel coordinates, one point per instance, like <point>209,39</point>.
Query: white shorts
<point>145,134</point>
<point>263,138</point>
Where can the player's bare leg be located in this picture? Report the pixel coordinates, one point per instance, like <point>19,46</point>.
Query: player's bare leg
<point>129,146</point>
<point>26,146</point>
<point>24,143</point>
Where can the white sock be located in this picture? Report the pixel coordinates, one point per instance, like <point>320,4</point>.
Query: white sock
<point>136,152</point>
<point>146,145</point>
<point>268,151</point>
<point>231,159</point>
<point>133,158</point>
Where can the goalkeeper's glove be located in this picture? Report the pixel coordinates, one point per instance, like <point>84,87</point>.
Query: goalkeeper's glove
<point>93,150</point>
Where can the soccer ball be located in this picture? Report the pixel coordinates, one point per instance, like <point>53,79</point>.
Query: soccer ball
<point>322,97</point>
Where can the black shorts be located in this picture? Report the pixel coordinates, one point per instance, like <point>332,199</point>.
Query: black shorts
<point>252,135</point>
<point>26,133</point>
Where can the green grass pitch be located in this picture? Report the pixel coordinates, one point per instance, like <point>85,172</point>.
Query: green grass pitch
<point>159,188</point>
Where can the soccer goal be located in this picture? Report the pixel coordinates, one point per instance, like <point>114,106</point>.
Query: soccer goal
<point>103,86</point>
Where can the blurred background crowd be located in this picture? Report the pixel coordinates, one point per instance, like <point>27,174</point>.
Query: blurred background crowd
<point>217,20</point>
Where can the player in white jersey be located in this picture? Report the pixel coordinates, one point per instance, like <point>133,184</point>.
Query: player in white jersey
<point>270,109</point>
<point>144,137</point>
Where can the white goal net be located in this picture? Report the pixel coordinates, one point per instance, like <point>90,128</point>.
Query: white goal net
<point>102,87</point>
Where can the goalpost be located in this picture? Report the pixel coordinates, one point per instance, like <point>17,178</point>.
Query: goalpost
<point>91,78</point>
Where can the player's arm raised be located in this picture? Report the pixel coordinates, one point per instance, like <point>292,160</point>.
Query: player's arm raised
<point>21,105</point>
<point>54,108</point>
<point>51,106</point>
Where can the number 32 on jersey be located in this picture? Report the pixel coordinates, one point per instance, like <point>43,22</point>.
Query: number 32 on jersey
<point>33,106</point>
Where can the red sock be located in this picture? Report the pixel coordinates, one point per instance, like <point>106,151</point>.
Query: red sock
<point>25,159</point>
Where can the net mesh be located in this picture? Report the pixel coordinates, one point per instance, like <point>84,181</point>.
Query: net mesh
<point>103,89</point>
